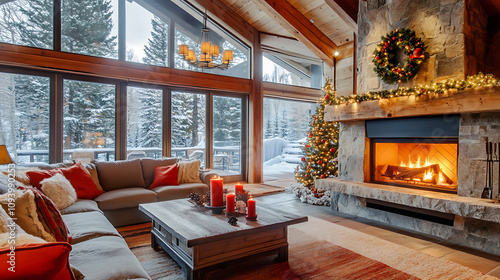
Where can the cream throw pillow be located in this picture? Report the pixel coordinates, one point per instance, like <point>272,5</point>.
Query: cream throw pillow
<point>189,172</point>
<point>26,214</point>
<point>59,190</point>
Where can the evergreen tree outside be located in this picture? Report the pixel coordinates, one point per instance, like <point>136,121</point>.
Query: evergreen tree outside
<point>321,149</point>
<point>156,50</point>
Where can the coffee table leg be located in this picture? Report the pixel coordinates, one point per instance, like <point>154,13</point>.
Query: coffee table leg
<point>283,254</point>
<point>154,244</point>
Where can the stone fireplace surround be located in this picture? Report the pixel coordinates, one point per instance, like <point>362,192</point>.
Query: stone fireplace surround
<point>474,222</point>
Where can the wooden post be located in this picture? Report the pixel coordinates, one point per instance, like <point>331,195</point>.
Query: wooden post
<point>256,119</point>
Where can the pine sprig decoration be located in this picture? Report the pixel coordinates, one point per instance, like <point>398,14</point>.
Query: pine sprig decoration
<point>384,56</point>
<point>479,81</point>
<point>199,199</point>
<point>320,150</point>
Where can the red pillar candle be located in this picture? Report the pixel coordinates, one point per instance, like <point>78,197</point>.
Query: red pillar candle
<point>251,208</point>
<point>230,202</point>
<point>238,188</point>
<point>216,193</point>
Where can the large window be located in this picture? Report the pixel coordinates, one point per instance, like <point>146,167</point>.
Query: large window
<point>147,35</point>
<point>188,126</point>
<point>24,116</point>
<point>89,27</point>
<point>27,23</point>
<point>285,126</point>
<point>227,134</point>
<point>288,70</point>
<point>144,122</point>
<point>89,121</point>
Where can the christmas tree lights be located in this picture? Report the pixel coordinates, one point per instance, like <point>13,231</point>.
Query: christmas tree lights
<point>320,151</point>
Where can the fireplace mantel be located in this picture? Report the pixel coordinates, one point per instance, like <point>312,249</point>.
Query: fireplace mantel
<point>451,102</point>
<point>470,207</point>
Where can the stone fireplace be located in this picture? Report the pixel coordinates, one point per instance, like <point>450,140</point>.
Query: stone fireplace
<point>418,163</point>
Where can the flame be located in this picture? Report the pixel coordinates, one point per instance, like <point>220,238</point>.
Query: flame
<point>429,176</point>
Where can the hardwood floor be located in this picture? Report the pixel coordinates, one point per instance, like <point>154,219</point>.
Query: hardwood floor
<point>483,262</point>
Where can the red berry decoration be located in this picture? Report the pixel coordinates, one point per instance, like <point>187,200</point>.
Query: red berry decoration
<point>332,150</point>
<point>303,159</point>
<point>417,52</point>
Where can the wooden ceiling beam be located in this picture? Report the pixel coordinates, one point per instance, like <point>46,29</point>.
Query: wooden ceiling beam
<point>229,17</point>
<point>346,11</point>
<point>300,26</point>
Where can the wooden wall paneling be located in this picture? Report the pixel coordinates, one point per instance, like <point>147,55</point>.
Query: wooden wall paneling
<point>123,70</point>
<point>300,26</point>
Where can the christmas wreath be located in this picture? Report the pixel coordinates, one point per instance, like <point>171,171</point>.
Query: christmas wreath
<point>384,56</point>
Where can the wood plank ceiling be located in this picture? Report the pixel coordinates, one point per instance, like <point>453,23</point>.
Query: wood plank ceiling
<point>334,18</point>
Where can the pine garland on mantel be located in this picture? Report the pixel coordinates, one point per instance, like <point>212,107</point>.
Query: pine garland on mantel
<point>479,81</point>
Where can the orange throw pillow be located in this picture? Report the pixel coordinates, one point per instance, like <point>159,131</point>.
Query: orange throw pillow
<point>36,176</point>
<point>37,261</point>
<point>165,176</point>
<point>82,182</point>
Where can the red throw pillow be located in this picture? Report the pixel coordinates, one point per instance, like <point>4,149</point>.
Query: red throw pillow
<point>82,182</point>
<point>37,261</point>
<point>165,176</point>
<point>50,215</point>
<point>36,176</point>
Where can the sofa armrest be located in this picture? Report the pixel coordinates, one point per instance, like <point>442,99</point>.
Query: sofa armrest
<point>205,176</point>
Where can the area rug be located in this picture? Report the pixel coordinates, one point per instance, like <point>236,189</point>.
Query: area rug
<point>313,257</point>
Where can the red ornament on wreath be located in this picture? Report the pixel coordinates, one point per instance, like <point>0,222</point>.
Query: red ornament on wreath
<point>332,150</point>
<point>384,56</point>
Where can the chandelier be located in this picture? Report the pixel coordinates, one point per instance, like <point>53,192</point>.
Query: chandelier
<point>208,52</point>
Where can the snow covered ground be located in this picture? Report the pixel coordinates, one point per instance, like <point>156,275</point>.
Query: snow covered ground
<point>282,158</point>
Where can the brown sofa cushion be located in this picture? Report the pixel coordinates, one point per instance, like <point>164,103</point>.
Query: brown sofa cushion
<point>120,174</point>
<point>181,191</point>
<point>148,168</point>
<point>81,206</point>
<point>106,258</point>
<point>124,198</point>
<point>85,226</point>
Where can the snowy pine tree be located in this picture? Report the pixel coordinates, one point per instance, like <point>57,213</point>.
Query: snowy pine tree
<point>157,48</point>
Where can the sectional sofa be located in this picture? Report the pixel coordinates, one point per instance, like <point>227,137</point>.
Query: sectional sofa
<point>98,250</point>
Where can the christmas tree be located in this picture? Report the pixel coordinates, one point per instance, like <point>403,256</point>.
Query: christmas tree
<point>320,151</point>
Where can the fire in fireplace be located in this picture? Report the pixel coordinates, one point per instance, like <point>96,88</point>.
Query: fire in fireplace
<point>420,164</point>
<point>417,152</point>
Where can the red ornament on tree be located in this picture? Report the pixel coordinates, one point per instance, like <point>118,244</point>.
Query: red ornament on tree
<point>320,162</point>
<point>332,150</point>
<point>310,135</point>
<point>327,97</point>
<point>303,159</point>
<point>323,140</point>
<point>417,52</point>
<point>377,58</point>
<point>323,176</point>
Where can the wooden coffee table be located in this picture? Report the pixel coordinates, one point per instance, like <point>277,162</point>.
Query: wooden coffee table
<point>199,240</point>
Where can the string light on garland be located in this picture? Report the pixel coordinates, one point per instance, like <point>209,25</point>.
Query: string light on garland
<point>478,81</point>
<point>384,56</point>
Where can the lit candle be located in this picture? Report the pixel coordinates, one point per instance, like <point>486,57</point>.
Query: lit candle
<point>216,194</point>
<point>230,202</point>
<point>238,188</point>
<point>251,208</point>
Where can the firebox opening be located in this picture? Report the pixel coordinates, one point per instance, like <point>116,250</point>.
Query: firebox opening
<point>417,163</point>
